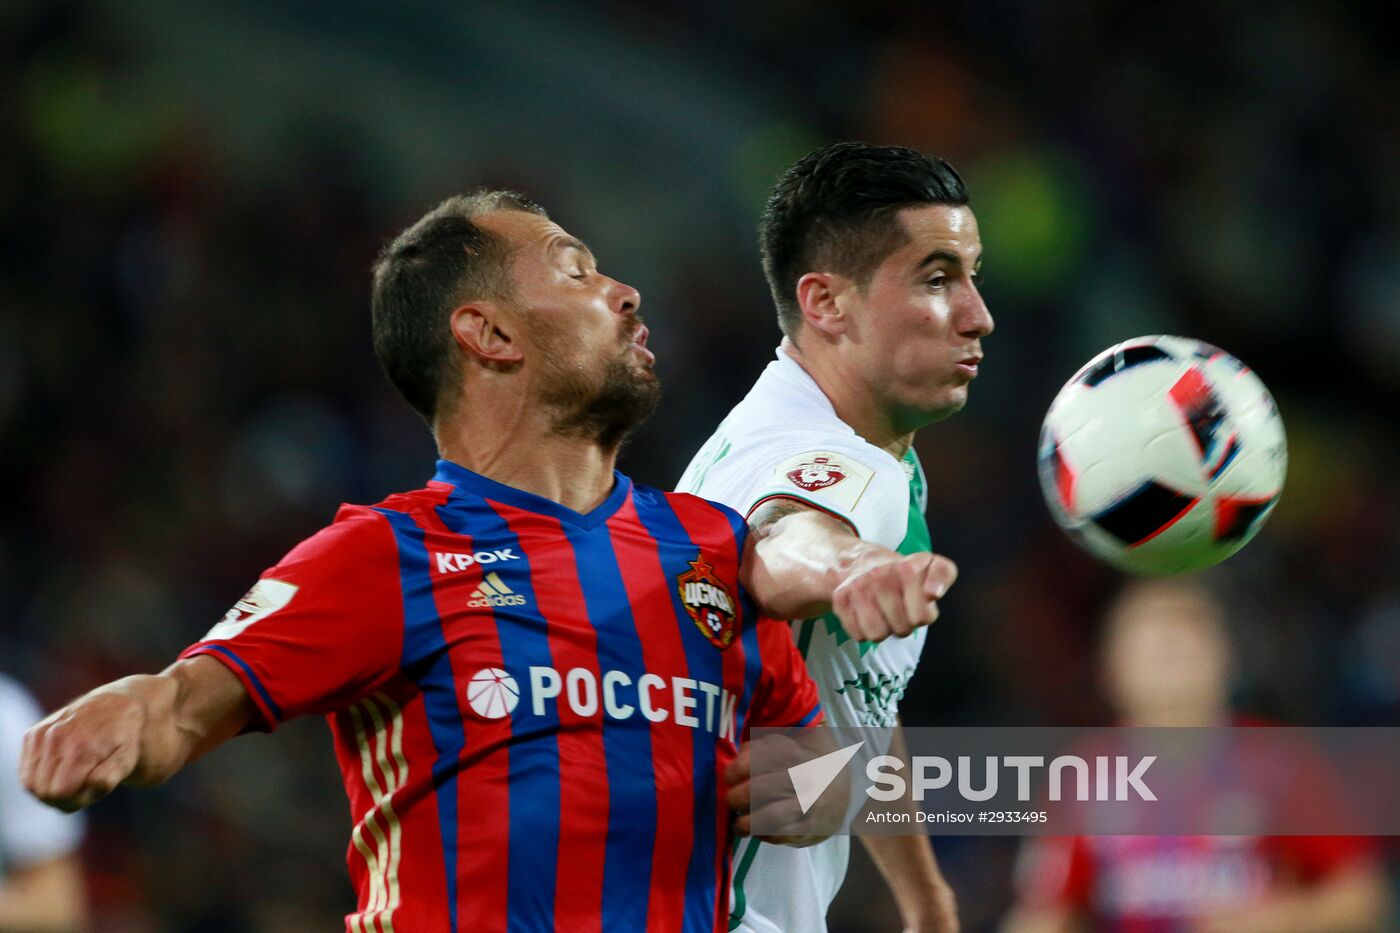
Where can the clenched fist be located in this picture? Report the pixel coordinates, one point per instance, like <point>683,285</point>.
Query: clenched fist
<point>887,594</point>
<point>137,730</point>
<point>79,754</point>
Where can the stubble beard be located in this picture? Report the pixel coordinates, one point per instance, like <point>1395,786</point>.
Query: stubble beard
<point>604,408</point>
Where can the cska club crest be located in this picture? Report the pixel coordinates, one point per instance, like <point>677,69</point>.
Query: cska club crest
<point>708,601</point>
<point>817,473</point>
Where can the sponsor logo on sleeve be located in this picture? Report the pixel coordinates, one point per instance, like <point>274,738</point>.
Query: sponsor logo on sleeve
<point>708,601</point>
<point>266,597</point>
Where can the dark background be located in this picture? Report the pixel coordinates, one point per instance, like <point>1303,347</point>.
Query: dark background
<point>191,194</point>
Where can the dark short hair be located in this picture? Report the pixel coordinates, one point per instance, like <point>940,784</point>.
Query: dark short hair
<point>428,270</point>
<point>835,210</point>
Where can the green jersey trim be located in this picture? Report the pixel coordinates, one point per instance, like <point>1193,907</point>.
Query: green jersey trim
<point>736,915</point>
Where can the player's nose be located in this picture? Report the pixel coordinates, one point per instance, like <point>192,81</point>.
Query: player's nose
<point>974,320</point>
<point>623,298</point>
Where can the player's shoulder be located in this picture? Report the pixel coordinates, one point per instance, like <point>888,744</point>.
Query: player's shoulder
<point>695,514</point>
<point>787,414</point>
<point>367,531</point>
<point>686,504</point>
<point>785,401</point>
<point>413,503</point>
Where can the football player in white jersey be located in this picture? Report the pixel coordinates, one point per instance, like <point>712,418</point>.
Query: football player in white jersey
<point>872,255</point>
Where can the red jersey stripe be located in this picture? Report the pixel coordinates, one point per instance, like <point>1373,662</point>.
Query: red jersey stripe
<point>671,748</point>
<point>583,772</point>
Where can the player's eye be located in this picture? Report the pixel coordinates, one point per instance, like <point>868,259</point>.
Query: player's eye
<point>937,280</point>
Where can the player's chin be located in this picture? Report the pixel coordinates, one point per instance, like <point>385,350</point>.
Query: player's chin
<point>646,373</point>
<point>948,402</point>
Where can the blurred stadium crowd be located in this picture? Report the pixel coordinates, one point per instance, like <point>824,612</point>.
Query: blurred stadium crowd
<point>191,196</point>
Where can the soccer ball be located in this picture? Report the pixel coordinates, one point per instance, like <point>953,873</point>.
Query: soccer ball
<point>1162,455</point>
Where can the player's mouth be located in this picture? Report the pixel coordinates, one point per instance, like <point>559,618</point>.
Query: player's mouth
<point>639,342</point>
<point>968,366</point>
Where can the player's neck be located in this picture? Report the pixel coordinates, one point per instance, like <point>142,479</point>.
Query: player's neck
<point>853,400</point>
<point>573,471</point>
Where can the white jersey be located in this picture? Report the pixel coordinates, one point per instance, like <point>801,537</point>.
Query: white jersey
<point>29,831</point>
<point>784,440</point>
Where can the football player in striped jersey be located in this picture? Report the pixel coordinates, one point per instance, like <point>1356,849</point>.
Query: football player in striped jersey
<point>538,674</point>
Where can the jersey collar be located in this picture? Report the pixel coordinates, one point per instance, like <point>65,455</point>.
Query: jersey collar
<point>469,483</point>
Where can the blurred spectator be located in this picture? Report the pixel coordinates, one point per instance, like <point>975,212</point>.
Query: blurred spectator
<point>41,882</point>
<point>1167,662</point>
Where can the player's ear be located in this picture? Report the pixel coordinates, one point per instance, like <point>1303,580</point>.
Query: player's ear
<point>818,295</point>
<point>485,332</point>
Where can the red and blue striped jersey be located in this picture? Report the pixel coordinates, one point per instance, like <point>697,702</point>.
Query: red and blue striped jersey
<point>532,707</point>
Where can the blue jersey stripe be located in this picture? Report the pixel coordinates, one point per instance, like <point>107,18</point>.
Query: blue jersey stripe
<point>626,745</point>
<point>753,669</point>
<point>534,752</point>
<point>706,663</point>
<point>740,529</point>
<point>426,662</point>
<point>252,678</point>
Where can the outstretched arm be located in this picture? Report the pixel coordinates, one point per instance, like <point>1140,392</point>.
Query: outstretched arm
<point>138,730</point>
<point>802,562</point>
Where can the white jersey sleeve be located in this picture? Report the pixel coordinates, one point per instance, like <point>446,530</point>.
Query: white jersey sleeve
<point>30,832</point>
<point>861,485</point>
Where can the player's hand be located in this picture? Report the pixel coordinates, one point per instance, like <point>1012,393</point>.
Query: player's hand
<point>779,803</point>
<point>79,754</point>
<point>885,596</point>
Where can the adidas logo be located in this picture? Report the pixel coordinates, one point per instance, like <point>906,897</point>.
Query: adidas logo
<point>493,592</point>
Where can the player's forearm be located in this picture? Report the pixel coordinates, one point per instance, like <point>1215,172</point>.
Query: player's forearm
<point>137,730</point>
<point>926,901</point>
<point>142,713</point>
<point>172,733</point>
<point>799,558</point>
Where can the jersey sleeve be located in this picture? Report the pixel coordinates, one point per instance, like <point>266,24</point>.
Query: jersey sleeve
<point>322,628</point>
<point>30,832</point>
<point>786,696</point>
<point>852,481</point>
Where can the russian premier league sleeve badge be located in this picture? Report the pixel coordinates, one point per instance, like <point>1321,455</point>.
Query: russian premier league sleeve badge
<point>817,473</point>
<point>709,602</point>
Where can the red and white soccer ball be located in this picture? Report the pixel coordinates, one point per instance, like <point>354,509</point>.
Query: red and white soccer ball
<point>1162,455</point>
